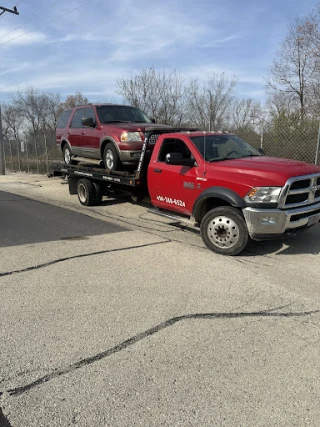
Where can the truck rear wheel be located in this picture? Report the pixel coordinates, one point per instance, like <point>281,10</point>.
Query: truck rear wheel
<point>224,230</point>
<point>98,193</point>
<point>86,192</point>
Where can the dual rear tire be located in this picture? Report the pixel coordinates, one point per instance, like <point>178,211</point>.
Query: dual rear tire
<point>89,192</point>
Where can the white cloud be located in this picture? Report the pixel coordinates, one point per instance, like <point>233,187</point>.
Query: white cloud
<point>222,41</point>
<point>17,37</point>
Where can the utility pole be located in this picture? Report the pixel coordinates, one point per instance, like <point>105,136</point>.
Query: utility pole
<point>2,161</point>
<point>4,9</point>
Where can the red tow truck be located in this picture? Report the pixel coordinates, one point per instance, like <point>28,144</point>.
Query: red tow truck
<point>225,187</point>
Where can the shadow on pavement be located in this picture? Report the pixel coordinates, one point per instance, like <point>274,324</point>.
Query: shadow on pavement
<point>303,242</point>
<point>3,420</point>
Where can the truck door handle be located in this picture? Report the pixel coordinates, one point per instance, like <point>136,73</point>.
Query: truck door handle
<point>157,170</point>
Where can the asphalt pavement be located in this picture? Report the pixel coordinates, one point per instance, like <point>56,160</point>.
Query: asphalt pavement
<point>25,221</point>
<point>111,316</point>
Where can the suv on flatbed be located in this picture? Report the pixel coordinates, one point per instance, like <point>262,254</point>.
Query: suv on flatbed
<point>108,132</point>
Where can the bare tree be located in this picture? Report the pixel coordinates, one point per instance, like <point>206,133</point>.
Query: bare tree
<point>245,114</point>
<point>159,94</point>
<point>75,100</point>
<point>210,102</point>
<point>294,69</point>
<point>12,123</point>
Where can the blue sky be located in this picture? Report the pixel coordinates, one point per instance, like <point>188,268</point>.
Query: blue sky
<point>87,49</point>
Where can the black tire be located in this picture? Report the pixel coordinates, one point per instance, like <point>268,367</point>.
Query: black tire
<point>223,230</point>
<point>111,158</point>
<point>86,192</point>
<point>98,193</point>
<point>67,155</point>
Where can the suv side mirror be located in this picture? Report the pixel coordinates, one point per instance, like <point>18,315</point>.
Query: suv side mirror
<point>261,151</point>
<point>88,121</point>
<point>153,120</point>
<point>179,160</point>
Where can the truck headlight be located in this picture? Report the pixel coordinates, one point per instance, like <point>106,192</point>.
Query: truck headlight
<point>130,136</point>
<point>263,195</point>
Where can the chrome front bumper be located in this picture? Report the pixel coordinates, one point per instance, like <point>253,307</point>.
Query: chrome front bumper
<point>268,222</point>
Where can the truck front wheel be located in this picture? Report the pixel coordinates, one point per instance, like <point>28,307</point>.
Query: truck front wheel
<point>224,230</point>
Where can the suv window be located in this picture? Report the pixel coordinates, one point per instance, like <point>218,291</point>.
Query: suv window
<point>76,121</point>
<point>121,113</point>
<point>171,145</point>
<point>63,119</point>
<point>90,113</point>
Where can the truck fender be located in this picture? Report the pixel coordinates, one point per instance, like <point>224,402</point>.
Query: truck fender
<point>225,194</point>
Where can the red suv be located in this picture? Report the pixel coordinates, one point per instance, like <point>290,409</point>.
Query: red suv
<point>108,132</point>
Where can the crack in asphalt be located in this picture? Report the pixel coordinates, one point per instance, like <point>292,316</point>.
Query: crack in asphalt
<point>56,261</point>
<point>147,333</point>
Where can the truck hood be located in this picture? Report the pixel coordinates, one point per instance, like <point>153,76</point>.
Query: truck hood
<point>263,171</point>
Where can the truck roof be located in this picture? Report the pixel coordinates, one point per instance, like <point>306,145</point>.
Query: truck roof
<point>185,131</point>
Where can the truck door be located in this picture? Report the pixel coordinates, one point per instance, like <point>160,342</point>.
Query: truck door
<point>173,187</point>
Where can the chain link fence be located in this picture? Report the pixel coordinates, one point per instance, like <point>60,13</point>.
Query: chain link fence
<point>31,155</point>
<point>34,155</point>
<point>291,142</point>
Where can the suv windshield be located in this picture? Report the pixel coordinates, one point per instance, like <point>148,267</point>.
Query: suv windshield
<point>121,113</point>
<point>215,148</point>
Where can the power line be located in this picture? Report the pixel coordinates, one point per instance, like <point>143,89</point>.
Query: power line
<point>37,14</point>
<point>15,8</point>
<point>47,22</point>
<point>4,9</point>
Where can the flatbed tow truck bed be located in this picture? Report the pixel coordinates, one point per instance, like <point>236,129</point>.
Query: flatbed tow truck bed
<point>91,182</point>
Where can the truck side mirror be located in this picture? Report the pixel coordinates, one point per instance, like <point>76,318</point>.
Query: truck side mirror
<point>87,121</point>
<point>261,151</point>
<point>178,160</point>
<point>153,120</point>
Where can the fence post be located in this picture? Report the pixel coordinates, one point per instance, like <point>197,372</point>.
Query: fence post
<point>10,148</point>
<point>2,158</point>
<point>47,156</point>
<point>318,147</point>
<point>36,148</point>
<point>27,155</point>
<point>18,152</point>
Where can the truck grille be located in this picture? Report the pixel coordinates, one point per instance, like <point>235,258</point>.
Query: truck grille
<point>300,191</point>
<point>153,138</point>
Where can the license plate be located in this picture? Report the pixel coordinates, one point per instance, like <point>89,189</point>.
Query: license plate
<point>313,219</point>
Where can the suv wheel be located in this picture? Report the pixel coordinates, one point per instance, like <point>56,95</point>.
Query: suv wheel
<point>67,155</point>
<point>111,158</point>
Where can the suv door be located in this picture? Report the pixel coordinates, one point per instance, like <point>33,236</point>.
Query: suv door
<point>90,136</point>
<point>74,132</point>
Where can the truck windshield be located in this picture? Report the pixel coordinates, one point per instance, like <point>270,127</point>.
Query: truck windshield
<point>215,148</point>
<point>121,114</point>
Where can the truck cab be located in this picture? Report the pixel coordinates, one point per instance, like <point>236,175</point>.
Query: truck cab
<point>230,189</point>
